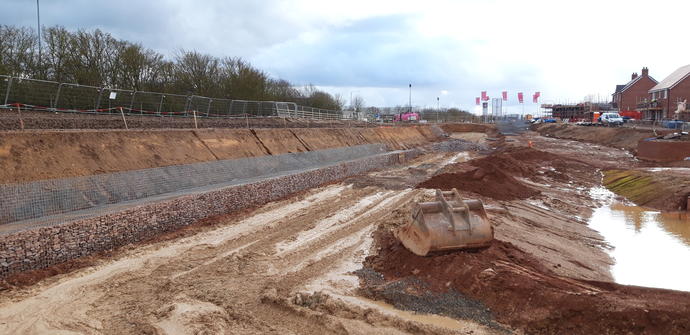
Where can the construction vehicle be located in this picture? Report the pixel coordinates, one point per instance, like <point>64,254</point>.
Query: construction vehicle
<point>449,223</point>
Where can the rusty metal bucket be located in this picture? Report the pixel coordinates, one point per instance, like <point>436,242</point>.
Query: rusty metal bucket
<point>449,223</point>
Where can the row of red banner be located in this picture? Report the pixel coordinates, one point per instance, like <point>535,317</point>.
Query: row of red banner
<point>504,94</point>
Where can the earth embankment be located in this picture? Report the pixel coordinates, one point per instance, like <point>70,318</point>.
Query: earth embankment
<point>619,137</point>
<point>666,189</point>
<point>40,155</point>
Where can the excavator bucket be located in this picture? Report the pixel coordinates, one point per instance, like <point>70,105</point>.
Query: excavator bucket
<point>449,223</point>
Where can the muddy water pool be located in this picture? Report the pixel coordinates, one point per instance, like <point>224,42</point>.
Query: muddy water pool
<point>650,248</point>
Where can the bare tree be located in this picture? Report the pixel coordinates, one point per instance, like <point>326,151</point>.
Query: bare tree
<point>96,58</point>
<point>357,103</point>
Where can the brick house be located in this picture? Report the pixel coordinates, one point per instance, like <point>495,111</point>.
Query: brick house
<point>663,98</point>
<point>627,96</point>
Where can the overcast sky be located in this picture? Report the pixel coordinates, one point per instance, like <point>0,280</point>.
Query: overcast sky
<point>373,48</point>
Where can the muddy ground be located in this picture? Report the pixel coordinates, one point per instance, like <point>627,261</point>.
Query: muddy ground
<point>324,261</point>
<point>658,185</point>
<point>518,285</point>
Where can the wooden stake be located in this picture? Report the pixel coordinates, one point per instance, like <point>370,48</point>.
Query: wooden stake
<point>123,118</point>
<point>21,121</point>
<point>195,124</point>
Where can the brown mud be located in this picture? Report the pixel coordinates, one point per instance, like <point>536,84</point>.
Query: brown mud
<point>521,292</point>
<point>617,137</point>
<point>495,176</point>
<point>286,267</point>
<point>517,281</point>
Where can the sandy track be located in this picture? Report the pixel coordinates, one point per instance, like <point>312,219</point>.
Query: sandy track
<point>242,277</point>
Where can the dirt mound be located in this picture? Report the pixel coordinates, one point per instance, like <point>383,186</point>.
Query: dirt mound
<point>488,181</point>
<point>621,137</point>
<point>468,128</point>
<point>494,176</point>
<point>519,291</point>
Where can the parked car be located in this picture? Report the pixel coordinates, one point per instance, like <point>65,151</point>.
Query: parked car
<point>549,121</point>
<point>611,119</point>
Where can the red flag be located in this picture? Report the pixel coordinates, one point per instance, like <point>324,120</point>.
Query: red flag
<point>537,94</point>
<point>521,98</point>
<point>535,98</point>
<point>505,95</point>
<point>478,101</point>
<point>484,96</point>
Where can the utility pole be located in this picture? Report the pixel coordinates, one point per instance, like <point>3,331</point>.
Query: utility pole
<point>438,107</point>
<point>410,98</point>
<point>38,18</point>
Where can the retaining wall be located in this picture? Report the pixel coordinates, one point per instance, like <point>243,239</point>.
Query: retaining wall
<point>42,247</point>
<point>23,201</point>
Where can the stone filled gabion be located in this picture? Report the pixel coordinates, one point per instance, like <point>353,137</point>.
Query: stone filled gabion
<point>41,247</point>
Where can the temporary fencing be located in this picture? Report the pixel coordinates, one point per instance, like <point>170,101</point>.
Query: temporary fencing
<point>50,96</point>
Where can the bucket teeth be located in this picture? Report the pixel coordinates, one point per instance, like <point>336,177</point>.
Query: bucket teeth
<point>448,223</point>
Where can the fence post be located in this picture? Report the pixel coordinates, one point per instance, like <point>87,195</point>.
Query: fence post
<point>160,105</point>
<point>230,109</point>
<point>98,100</point>
<point>195,125</point>
<point>7,94</point>
<point>131,104</point>
<point>188,103</point>
<point>208,110</point>
<point>57,96</point>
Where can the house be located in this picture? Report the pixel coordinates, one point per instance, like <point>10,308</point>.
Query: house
<point>627,96</point>
<point>664,97</point>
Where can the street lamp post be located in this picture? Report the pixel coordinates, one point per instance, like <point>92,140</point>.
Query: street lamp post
<point>410,99</point>
<point>38,19</point>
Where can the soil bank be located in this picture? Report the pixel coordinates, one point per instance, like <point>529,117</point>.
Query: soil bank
<point>618,137</point>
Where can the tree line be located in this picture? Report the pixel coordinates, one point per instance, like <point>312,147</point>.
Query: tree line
<point>96,58</point>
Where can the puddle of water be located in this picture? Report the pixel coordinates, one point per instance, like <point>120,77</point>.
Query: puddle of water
<point>650,248</point>
<point>429,319</point>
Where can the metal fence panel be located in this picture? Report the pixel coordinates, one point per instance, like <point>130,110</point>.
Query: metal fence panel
<point>5,83</point>
<point>113,99</point>
<point>78,97</point>
<point>201,105</point>
<point>40,93</point>
<point>49,95</point>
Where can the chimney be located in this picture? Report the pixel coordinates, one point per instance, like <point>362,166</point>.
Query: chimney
<point>645,72</point>
<point>634,75</point>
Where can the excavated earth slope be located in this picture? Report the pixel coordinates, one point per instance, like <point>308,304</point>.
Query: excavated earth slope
<point>618,137</point>
<point>29,156</point>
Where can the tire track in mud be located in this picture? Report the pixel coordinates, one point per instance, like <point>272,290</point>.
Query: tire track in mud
<point>219,280</point>
<point>49,309</point>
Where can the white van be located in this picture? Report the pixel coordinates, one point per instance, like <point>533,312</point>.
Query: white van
<point>611,119</point>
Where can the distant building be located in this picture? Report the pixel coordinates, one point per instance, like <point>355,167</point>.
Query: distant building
<point>627,96</point>
<point>583,111</point>
<point>662,99</point>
